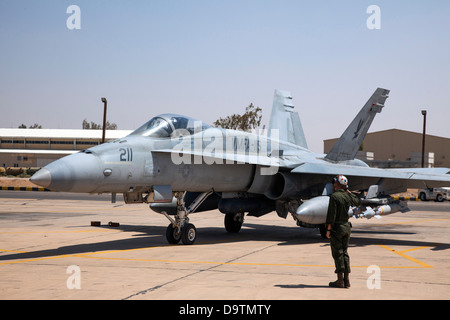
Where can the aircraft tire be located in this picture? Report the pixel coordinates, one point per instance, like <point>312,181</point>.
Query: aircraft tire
<point>232,224</point>
<point>171,235</point>
<point>423,196</point>
<point>188,234</point>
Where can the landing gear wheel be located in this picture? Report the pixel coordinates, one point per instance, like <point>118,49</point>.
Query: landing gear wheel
<point>233,222</point>
<point>188,234</point>
<point>172,234</point>
<point>180,228</point>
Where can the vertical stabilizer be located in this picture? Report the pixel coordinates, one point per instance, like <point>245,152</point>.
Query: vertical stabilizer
<point>286,120</point>
<point>348,144</point>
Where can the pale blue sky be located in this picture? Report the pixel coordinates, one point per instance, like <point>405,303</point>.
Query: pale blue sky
<point>209,59</point>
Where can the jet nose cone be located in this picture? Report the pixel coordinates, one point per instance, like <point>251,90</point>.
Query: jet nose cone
<point>79,172</point>
<point>42,178</point>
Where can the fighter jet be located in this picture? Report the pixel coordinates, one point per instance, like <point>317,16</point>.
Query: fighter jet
<point>180,166</point>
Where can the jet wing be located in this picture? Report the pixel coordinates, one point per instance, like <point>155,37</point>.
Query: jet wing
<point>428,174</point>
<point>335,169</point>
<point>223,158</point>
<point>435,171</point>
<point>432,174</point>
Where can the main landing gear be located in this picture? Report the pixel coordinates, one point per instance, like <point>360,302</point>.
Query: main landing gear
<point>180,228</point>
<point>233,222</point>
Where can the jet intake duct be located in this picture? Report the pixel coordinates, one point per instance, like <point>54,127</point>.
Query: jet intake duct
<point>282,186</point>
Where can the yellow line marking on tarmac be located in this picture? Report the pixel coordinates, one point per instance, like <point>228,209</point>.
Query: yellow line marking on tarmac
<point>86,210</point>
<point>60,231</point>
<point>401,254</point>
<point>36,259</point>
<point>418,248</point>
<point>13,251</point>
<point>94,255</point>
<point>90,256</point>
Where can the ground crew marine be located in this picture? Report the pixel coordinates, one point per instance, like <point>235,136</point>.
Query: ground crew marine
<point>339,229</point>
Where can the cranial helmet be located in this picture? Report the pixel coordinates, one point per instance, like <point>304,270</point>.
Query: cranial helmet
<point>342,180</point>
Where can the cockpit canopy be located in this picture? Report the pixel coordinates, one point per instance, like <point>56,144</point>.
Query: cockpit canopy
<point>170,125</point>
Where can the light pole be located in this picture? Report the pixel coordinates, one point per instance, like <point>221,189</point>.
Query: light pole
<point>105,103</point>
<point>424,113</point>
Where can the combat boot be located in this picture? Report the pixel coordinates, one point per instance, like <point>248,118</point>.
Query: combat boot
<point>339,283</point>
<point>346,280</point>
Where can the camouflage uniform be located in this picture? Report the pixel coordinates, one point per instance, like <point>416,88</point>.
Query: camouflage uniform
<point>337,217</point>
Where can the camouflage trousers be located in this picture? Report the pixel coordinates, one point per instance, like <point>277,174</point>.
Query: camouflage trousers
<point>340,238</point>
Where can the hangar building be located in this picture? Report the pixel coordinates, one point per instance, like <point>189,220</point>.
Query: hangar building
<point>396,148</point>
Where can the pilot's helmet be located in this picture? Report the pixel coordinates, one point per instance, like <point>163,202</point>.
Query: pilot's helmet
<point>342,180</point>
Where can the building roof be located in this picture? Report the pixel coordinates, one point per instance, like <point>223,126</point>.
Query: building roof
<point>37,151</point>
<point>396,131</point>
<point>407,132</point>
<point>63,133</point>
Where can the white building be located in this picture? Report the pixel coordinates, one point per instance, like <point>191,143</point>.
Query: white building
<point>39,147</point>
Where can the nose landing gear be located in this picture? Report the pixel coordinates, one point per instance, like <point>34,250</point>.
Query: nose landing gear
<point>180,228</point>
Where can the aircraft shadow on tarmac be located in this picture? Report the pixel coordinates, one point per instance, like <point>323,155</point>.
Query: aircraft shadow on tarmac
<point>154,236</point>
<point>300,286</point>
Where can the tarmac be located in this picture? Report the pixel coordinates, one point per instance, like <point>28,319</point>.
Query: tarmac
<point>49,250</point>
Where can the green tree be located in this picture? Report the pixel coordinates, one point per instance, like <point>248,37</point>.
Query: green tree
<point>94,126</point>
<point>34,126</point>
<point>251,119</point>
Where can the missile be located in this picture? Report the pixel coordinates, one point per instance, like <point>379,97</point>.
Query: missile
<point>379,211</point>
<point>314,211</point>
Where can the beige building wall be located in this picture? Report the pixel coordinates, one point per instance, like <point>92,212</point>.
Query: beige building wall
<point>400,145</point>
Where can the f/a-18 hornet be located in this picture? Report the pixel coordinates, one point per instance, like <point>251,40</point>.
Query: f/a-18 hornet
<point>180,166</point>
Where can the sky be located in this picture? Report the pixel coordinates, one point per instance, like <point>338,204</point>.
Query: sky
<point>211,58</point>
